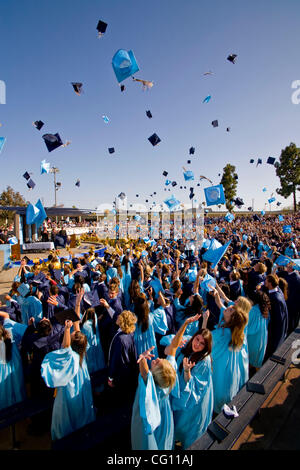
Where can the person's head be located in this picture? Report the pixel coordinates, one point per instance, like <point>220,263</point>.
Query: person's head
<point>199,346</point>
<point>195,307</point>
<point>6,338</point>
<point>79,344</point>
<point>141,310</point>
<point>236,319</point>
<point>163,372</point>
<point>283,285</point>
<point>90,315</point>
<point>272,281</point>
<point>262,299</point>
<point>44,327</point>
<point>54,290</point>
<point>134,289</point>
<point>113,290</point>
<point>260,268</point>
<point>243,303</point>
<point>234,276</point>
<point>126,321</point>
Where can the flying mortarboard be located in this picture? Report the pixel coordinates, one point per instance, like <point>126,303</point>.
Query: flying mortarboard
<point>278,203</point>
<point>52,141</point>
<point>154,139</point>
<point>2,142</point>
<point>207,99</point>
<point>259,161</point>
<point>174,183</point>
<point>215,123</point>
<point>188,175</point>
<point>68,314</point>
<point>165,173</point>
<point>45,167</point>
<point>188,162</point>
<point>271,160</point>
<point>26,175</point>
<point>124,64</point>
<point>172,202</point>
<point>192,150</point>
<point>101,28</point>
<point>77,183</point>
<point>122,87</point>
<point>168,182</point>
<point>31,184</point>
<point>272,199</point>
<point>214,195</point>
<point>251,161</point>
<point>239,202</point>
<point>228,129</point>
<point>149,115</point>
<point>77,87</point>
<point>111,150</point>
<point>105,119</point>
<point>38,125</point>
<point>232,58</point>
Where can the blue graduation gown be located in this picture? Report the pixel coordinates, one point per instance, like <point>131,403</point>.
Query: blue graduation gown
<point>257,336</point>
<point>157,324</point>
<point>152,424</point>
<point>73,405</point>
<point>94,355</point>
<point>31,307</point>
<point>12,387</point>
<point>193,409</point>
<point>230,367</point>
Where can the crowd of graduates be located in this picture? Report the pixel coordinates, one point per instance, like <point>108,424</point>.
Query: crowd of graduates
<point>176,335</point>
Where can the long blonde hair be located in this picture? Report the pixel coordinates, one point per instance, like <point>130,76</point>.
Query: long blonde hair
<point>237,323</point>
<point>164,375</point>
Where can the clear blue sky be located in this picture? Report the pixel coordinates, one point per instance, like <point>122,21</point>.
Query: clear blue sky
<point>47,44</point>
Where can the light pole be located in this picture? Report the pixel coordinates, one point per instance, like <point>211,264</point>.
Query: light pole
<point>55,170</point>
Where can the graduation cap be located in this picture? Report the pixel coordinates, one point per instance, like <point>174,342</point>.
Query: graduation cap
<point>271,160</point>
<point>215,123</point>
<point>146,200</point>
<point>57,274</point>
<point>180,187</point>
<point>165,173</point>
<point>272,199</point>
<point>251,161</point>
<point>26,175</point>
<point>214,195</point>
<point>149,115</point>
<point>232,58</point>
<point>278,203</point>
<point>228,129</point>
<point>207,99</point>
<point>154,139</point>
<point>174,183</point>
<point>45,167</point>
<point>105,119</point>
<point>188,175</point>
<point>38,125</point>
<point>259,161</point>
<point>168,182</point>
<point>171,202</point>
<point>111,150</point>
<point>136,195</point>
<point>77,183</point>
<point>239,202</point>
<point>2,142</point>
<point>68,314</point>
<point>122,87</point>
<point>77,87</point>
<point>52,141</point>
<point>124,64</point>
<point>250,209</point>
<point>188,162</point>
<point>192,150</point>
<point>101,28</point>
<point>31,184</point>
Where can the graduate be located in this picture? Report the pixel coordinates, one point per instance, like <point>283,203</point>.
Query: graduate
<point>257,328</point>
<point>229,355</point>
<point>193,409</point>
<point>89,326</point>
<point>66,370</point>
<point>12,387</point>
<point>152,424</point>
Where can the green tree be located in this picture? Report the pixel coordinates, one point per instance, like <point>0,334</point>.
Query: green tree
<point>9,197</point>
<point>229,182</point>
<point>288,171</point>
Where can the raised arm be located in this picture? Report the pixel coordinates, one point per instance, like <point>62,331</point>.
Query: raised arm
<point>67,336</point>
<point>172,348</point>
<point>142,362</point>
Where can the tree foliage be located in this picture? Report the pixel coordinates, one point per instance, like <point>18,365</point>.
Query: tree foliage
<point>9,197</point>
<point>288,171</point>
<point>229,182</point>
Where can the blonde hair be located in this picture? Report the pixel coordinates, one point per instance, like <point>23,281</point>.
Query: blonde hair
<point>164,375</point>
<point>261,268</point>
<point>126,321</point>
<point>244,304</point>
<point>237,323</point>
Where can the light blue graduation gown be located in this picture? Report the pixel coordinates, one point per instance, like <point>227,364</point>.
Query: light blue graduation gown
<point>73,405</point>
<point>257,336</point>
<point>12,387</point>
<point>94,354</point>
<point>152,424</point>
<point>31,307</point>
<point>180,317</point>
<point>230,367</point>
<point>126,283</point>
<point>157,324</point>
<point>193,409</point>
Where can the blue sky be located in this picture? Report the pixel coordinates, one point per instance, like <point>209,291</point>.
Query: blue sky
<point>49,44</point>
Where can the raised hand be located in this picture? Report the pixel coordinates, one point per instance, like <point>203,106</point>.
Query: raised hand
<point>146,355</point>
<point>193,319</point>
<point>187,365</point>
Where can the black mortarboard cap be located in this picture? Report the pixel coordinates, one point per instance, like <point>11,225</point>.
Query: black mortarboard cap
<point>198,184</point>
<point>174,183</point>
<point>77,87</point>
<point>38,125</point>
<point>137,195</point>
<point>191,195</point>
<point>251,161</point>
<point>255,217</point>
<point>239,202</point>
<point>192,150</point>
<point>146,200</point>
<point>278,203</point>
<point>165,173</point>
<point>31,184</point>
<point>149,115</point>
<point>249,208</point>
<point>154,192</point>
<point>215,123</point>
<point>232,58</point>
<point>228,129</point>
<point>271,160</point>
<point>52,141</point>
<point>154,139</point>
<point>122,87</point>
<point>189,161</point>
<point>101,27</point>
<point>180,187</point>
<point>236,177</point>
<point>111,150</point>
<point>68,314</point>
<point>259,161</point>
<point>26,175</point>
<point>77,183</point>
